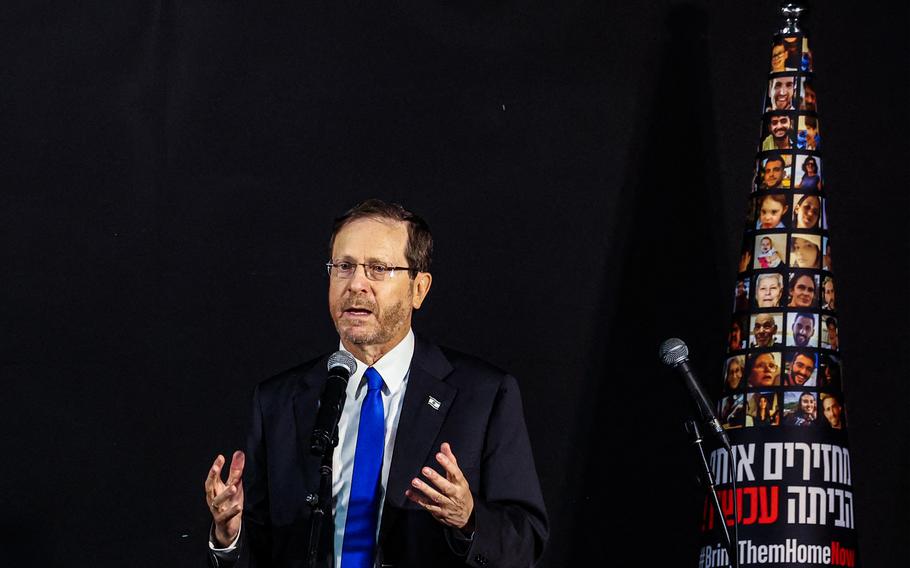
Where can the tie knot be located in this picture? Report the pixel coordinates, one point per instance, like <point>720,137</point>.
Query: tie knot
<point>374,379</point>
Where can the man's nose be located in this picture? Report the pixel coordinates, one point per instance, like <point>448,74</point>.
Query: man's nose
<point>359,280</point>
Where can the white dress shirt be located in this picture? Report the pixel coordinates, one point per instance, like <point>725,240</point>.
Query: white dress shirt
<point>394,368</point>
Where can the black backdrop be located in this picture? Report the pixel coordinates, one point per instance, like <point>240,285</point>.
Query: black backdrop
<point>170,173</point>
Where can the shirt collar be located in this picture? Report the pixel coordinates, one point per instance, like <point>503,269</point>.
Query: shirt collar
<point>393,367</point>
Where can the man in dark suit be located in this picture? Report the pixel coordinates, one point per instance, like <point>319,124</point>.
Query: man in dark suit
<point>419,404</point>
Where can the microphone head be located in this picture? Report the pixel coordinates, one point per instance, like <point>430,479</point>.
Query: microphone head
<point>673,351</point>
<point>344,360</point>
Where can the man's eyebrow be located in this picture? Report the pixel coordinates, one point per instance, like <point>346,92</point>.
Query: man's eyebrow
<point>369,260</point>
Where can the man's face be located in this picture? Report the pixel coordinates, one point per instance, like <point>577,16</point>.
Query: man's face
<point>765,371</point>
<point>828,291</point>
<point>367,313</point>
<point>832,336</point>
<point>782,93</point>
<point>736,336</point>
<point>807,405</point>
<point>832,410</point>
<point>780,125</point>
<point>773,173</point>
<point>802,294</point>
<point>801,369</point>
<point>778,58</point>
<point>809,97</point>
<point>803,330</point>
<point>768,293</point>
<point>764,330</point>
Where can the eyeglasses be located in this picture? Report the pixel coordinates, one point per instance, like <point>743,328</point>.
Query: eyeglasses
<point>373,270</point>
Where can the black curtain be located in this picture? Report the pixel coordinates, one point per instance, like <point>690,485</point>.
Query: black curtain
<point>171,170</point>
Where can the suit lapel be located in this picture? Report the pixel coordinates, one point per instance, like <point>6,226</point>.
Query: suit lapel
<point>418,425</point>
<point>306,405</point>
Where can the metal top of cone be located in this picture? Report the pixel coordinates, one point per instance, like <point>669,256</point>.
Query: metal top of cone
<point>792,11</point>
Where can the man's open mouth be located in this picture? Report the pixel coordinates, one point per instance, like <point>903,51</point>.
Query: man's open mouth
<point>358,311</point>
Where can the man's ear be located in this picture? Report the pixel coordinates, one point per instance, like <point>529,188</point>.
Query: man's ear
<point>421,288</point>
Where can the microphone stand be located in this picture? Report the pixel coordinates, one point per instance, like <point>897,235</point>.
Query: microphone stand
<point>697,439</point>
<point>320,501</point>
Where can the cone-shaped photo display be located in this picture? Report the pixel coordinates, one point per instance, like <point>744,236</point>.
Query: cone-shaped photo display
<point>782,400</point>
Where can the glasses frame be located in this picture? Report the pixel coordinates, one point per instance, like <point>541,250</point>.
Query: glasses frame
<point>368,270</point>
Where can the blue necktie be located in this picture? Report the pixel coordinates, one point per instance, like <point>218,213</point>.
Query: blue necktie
<point>359,544</point>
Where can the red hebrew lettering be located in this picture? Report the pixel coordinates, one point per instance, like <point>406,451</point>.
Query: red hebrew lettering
<point>752,492</point>
<point>768,515</point>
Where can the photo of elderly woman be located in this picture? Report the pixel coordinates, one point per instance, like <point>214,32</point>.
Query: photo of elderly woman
<point>769,289</point>
<point>764,370</point>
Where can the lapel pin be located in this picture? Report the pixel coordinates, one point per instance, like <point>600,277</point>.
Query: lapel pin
<point>434,403</point>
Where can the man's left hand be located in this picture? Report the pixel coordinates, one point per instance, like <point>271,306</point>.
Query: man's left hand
<point>447,498</point>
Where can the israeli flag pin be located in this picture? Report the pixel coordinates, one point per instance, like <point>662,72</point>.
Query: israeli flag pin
<point>434,403</point>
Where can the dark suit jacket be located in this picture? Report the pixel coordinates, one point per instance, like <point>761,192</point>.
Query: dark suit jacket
<point>480,416</point>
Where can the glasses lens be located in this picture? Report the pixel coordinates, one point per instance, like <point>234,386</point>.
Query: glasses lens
<point>344,269</point>
<point>377,271</point>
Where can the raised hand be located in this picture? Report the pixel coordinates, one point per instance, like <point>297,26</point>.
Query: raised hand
<point>225,499</point>
<point>449,498</point>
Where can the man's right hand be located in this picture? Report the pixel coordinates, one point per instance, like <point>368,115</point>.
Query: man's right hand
<point>225,499</point>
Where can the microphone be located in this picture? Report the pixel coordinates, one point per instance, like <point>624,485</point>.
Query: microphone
<point>674,353</point>
<point>341,366</point>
